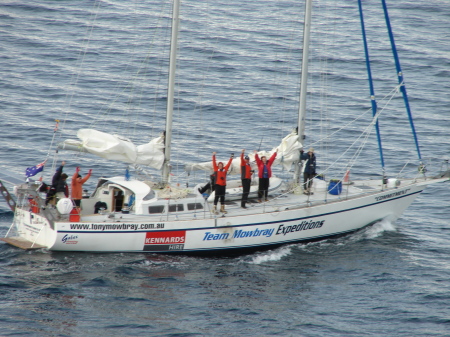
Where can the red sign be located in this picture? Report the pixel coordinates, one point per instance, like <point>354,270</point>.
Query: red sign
<point>165,238</point>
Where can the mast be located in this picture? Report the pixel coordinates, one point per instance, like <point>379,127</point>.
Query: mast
<point>304,78</point>
<point>400,78</point>
<point>170,90</point>
<point>371,87</point>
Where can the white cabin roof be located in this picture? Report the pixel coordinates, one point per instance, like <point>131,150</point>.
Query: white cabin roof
<point>139,188</point>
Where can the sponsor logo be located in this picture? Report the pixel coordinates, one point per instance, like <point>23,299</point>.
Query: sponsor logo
<point>164,241</point>
<point>164,238</point>
<point>70,239</point>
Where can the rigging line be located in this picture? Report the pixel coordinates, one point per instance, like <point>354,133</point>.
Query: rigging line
<point>400,78</point>
<point>349,164</point>
<point>55,129</point>
<point>131,85</point>
<point>326,67</point>
<point>392,94</point>
<point>369,127</point>
<point>371,86</point>
<point>353,158</point>
<point>323,101</point>
<point>278,82</point>
<point>51,145</point>
<point>142,72</point>
<point>366,132</point>
<point>70,94</point>
<point>176,117</point>
<point>340,129</point>
<point>199,104</point>
<point>82,54</point>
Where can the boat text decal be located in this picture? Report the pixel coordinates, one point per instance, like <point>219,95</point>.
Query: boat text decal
<point>391,195</point>
<point>239,234</point>
<point>164,241</point>
<point>70,239</point>
<point>32,229</point>
<point>304,225</point>
<point>112,227</point>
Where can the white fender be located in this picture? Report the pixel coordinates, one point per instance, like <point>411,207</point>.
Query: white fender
<point>64,206</point>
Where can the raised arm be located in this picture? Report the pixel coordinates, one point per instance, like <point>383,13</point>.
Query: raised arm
<point>272,158</point>
<point>229,162</point>
<point>214,161</point>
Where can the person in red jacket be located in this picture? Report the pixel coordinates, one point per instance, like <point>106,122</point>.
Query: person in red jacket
<point>221,182</point>
<point>264,173</point>
<point>77,186</point>
<point>246,178</point>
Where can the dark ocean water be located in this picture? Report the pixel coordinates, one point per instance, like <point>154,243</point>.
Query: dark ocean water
<point>103,64</point>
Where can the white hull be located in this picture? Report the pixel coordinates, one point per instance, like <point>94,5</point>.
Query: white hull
<point>286,219</point>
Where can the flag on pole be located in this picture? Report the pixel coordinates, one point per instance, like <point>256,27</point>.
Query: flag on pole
<point>32,171</point>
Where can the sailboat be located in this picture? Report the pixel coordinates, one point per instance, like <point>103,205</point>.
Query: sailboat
<point>125,214</point>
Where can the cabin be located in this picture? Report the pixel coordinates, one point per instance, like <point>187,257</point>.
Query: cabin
<point>138,197</point>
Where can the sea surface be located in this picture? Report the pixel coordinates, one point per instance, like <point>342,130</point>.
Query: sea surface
<point>103,64</point>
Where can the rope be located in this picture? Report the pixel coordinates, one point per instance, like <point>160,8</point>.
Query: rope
<point>364,135</point>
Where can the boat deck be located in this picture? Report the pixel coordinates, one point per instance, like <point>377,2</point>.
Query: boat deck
<point>276,202</point>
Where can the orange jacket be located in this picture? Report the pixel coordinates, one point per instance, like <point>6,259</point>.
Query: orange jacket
<point>221,176</point>
<point>77,185</point>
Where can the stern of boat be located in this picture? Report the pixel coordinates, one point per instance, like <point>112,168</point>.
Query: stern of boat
<point>30,231</point>
<point>33,224</point>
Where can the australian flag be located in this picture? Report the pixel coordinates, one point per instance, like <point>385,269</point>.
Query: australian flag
<point>32,171</point>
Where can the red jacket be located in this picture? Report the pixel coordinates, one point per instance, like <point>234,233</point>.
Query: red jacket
<point>246,169</point>
<point>221,176</point>
<point>77,185</point>
<point>268,165</point>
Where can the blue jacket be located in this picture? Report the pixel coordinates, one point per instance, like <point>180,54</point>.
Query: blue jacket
<point>310,165</point>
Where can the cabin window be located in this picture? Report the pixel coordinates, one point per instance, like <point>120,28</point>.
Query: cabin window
<point>176,208</point>
<point>194,206</point>
<point>150,195</point>
<point>156,209</point>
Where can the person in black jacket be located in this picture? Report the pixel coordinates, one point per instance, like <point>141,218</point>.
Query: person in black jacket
<point>59,188</point>
<point>310,170</point>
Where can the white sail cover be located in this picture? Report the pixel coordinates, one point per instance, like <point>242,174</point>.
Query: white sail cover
<point>288,153</point>
<point>114,147</point>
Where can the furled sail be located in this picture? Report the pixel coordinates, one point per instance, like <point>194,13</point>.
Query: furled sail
<point>114,147</point>
<point>288,153</point>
